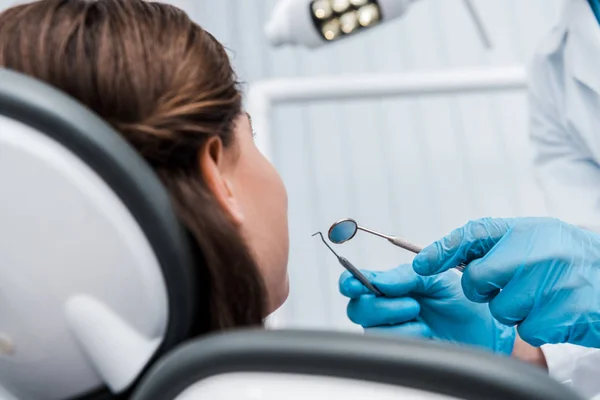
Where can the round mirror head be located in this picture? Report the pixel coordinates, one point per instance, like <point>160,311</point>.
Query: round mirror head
<point>342,231</point>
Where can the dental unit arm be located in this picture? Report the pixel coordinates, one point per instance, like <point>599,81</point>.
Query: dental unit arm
<point>313,23</point>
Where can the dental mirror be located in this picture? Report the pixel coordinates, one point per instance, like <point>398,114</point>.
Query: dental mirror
<point>342,231</point>
<point>345,229</point>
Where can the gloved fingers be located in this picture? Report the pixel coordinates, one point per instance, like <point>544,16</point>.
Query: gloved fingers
<point>408,329</point>
<point>369,310</point>
<point>537,334</point>
<point>404,281</point>
<point>463,245</point>
<point>483,279</point>
<point>442,286</point>
<point>397,282</point>
<point>513,304</point>
<point>351,287</point>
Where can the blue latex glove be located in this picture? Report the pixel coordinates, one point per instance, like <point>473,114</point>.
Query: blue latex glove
<point>431,307</point>
<point>538,273</point>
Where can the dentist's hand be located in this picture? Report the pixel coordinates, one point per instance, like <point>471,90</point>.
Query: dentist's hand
<point>438,302</point>
<point>538,273</point>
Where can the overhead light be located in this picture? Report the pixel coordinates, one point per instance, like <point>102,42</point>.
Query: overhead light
<point>331,29</point>
<point>368,15</point>
<point>313,23</point>
<point>322,9</point>
<point>335,19</point>
<point>358,3</point>
<point>349,22</point>
<point>339,6</point>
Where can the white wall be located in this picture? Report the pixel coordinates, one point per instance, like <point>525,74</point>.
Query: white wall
<point>413,167</point>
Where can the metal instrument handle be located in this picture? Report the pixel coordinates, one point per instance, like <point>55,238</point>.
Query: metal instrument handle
<point>407,245</point>
<point>359,275</point>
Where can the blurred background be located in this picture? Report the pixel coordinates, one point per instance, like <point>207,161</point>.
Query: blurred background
<point>415,167</point>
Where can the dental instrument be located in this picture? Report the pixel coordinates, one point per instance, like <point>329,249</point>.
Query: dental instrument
<point>351,268</point>
<point>345,229</point>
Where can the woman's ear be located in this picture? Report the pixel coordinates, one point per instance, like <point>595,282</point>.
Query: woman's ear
<point>216,165</point>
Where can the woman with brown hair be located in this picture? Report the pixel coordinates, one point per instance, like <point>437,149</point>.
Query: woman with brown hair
<point>168,88</point>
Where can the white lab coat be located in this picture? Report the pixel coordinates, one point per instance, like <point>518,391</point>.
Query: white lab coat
<point>565,132</point>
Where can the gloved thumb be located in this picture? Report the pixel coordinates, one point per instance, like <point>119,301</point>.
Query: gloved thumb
<point>463,245</point>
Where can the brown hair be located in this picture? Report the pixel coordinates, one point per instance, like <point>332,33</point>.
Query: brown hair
<point>167,86</point>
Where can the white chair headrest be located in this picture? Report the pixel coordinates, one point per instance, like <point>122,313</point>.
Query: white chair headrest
<point>96,277</point>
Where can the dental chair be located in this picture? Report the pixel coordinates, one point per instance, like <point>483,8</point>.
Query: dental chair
<point>300,365</point>
<point>97,290</point>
